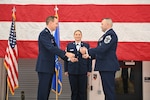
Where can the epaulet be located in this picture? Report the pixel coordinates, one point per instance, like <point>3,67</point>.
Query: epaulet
<point>73,43</point>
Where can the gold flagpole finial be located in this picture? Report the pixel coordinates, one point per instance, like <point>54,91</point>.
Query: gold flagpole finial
<point>14,9</point>
<point>13,13</point>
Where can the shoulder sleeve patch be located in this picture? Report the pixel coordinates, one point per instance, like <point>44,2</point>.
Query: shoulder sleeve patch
<point>107,39</point>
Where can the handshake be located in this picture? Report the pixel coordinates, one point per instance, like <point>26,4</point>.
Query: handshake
<point>83,51</point>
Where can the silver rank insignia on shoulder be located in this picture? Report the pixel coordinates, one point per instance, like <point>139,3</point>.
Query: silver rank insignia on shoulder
<point>107,39</point>
<point>46,30</point>
<point>101,38</point>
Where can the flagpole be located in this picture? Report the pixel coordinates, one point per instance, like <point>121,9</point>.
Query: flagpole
<point>57,85</point>
<point>57,72</point>
<point>7,90</point>
<point>7,87</point>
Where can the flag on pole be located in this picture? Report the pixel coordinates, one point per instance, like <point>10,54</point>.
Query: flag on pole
<point>57,78</point>
<point>11,57</point>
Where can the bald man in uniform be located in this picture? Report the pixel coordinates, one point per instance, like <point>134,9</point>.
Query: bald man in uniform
<point>106,59</point>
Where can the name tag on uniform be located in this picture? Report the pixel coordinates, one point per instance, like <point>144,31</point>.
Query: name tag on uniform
<point>71,50</point>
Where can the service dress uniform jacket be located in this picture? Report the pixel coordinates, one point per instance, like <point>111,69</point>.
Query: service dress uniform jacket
<point>105,52</point>
<point>47,51</point>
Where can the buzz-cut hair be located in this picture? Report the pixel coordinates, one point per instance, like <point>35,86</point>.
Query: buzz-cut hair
<point>50,18</point>
<point>109,21</point>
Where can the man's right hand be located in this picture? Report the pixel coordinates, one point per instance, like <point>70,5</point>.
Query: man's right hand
<point>83,50</point>
<point>85,56</point>
<point>66,74</point>
<point>70,55</point>
<point>74,59</point>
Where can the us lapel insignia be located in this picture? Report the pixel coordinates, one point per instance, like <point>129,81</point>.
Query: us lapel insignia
<point>52,40</point>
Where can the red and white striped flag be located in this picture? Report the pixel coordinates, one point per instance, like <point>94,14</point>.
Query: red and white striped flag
<point>11,57</point>
<point>131,21</point>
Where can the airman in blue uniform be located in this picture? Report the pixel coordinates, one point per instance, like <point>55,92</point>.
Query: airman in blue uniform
<point>79,70</point>
<point>46,58</point>
<point>106,60</point>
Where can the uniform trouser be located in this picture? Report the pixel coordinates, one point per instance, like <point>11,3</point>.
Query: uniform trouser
<point>44,86</point>
<point>78,85</point>
<point>108,83</point>
<point>125,79</point>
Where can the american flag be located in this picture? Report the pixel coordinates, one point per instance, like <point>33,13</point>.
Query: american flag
<point>131,22</point>
<point>11,57</point>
